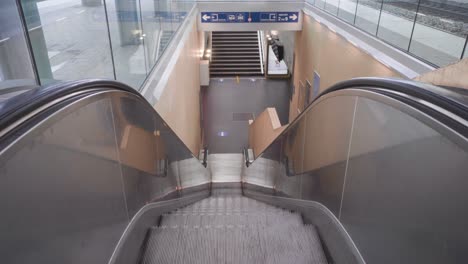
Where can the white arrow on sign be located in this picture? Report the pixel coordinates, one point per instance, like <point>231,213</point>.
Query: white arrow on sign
<point>293,17</point>
<point>206,17</point>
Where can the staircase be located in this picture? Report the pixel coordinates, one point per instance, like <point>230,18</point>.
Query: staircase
<point>235,54</point>
<point>230,228</point>
<point>166,36</point>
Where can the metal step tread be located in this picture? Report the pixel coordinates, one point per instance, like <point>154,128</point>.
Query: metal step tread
<point>260,241</point>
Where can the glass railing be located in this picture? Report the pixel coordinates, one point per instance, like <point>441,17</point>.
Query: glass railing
<point>392,174</point>
<point>76,39</point>
<point>15,63</point>
<point>95,162</point>
<point>435,31</point>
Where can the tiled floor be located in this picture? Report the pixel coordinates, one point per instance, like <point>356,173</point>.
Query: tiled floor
<point>225,133</point>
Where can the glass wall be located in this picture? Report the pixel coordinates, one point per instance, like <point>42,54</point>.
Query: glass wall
<point>15,61</point>
<point>77,39</point>
<point>67,39</point>
<point>433,30</point>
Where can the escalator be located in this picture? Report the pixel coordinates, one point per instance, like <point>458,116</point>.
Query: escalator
<point>373,171</point>
<point>230,228</point>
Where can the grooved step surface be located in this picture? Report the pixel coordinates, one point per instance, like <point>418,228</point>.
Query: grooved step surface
<point>230,228</point>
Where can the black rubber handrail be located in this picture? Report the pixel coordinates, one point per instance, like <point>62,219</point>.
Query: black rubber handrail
<point>453,100</point>
<point>413,93</point>
<point>21,105</point>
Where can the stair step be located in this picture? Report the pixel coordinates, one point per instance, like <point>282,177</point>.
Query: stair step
<point>224,57</point>
<point>234,44</point>
<point>231,62</point>
<point>248,41</point>
<point>229,66</point>
<point>234,49</point>
<point>235,53</point>
<point>224,33</point>
<point>229,38</point>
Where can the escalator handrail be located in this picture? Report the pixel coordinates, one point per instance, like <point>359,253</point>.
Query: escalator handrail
<point>413,93</point>
<point>19,106</point>
<point>446,98</point>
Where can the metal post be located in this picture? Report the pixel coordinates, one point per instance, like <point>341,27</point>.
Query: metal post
<point>110,41</point>
<point>464,48</point>
<point>143,35</point>
<point>414,24</point>
<point>355,12</point>
<point>30,16</point>
<point>378,22</point>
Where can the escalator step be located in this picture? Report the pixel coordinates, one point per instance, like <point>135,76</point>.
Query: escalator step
<point>233,229</point>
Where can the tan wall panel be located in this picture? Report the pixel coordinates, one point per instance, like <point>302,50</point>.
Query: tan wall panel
<point>333,57</point>
<point>264,130</point>
<point>179,104</point>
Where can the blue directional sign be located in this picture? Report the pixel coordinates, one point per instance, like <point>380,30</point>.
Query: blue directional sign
<point>249,17</point>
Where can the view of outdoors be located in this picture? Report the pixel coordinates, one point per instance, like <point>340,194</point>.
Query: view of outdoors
<point>75,39</point>
<point>123,39</point>
<point>433,30</point>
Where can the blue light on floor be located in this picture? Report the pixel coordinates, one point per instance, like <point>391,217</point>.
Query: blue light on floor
<point>222,133</point>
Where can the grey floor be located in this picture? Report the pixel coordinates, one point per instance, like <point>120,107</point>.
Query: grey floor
<point>227,106</point>
<point>230,228</point>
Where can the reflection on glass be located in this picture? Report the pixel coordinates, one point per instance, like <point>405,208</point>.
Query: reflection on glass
<point>396,22</point>
<point>76,39</point>
<point>151,24</point>
<point>440,31</point>
<point>399,166</point>
<point>367,15</point>
<point>332,6</point>
<point>320,4</point>
<point>347,10</point>
<point>69,39</point>
<point>166,26</point>
<point>15,63</point>
<point>127,41</point>
<point>438,36</point>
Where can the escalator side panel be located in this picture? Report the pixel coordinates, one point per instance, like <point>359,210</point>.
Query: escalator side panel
<point>72,181</point>
<point>400,187</point>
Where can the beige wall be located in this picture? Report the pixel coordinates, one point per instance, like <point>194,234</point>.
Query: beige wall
<point>334,58</point>
<point>455,75</point>
<point>264,130</point>
<point>179,104</point>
